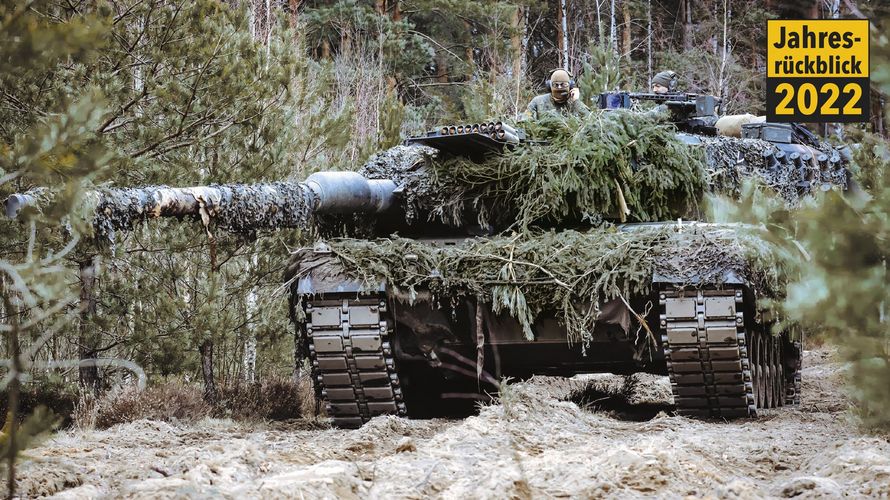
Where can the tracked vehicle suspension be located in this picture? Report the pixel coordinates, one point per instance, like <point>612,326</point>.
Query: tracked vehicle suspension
<point>717,368</point>
<point>352,363</point>
<point>707,354</point>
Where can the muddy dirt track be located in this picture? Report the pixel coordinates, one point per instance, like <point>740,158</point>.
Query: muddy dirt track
<point>535,444</point>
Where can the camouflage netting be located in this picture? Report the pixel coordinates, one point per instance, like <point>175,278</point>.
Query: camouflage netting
<point>239,208</point>
<point>729,161</point>
<point>558,272</point>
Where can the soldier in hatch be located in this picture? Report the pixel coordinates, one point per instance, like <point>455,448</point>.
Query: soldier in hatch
<point>664,82</point>
<point>563,97</point>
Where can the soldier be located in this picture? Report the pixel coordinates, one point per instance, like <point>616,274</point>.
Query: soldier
<point>563,97</point>
<point>664,82</point>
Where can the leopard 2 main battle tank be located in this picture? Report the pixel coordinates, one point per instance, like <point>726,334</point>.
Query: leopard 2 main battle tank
<point>434,278</point>
<point>429,322</point>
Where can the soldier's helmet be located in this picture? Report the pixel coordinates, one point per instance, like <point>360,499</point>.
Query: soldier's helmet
<point>667,79</point>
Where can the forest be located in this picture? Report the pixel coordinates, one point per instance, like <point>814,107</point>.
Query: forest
<point>189,319</point>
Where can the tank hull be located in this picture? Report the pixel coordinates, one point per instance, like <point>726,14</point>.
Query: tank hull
<point>427,356</point>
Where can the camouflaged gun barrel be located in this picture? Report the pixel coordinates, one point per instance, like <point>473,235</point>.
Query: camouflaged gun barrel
<point>16,202</point>
<point>348,192</point>
<point>240,207</point>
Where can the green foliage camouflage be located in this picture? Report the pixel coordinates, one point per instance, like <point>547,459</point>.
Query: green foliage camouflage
<point>616,163</point>
<point>52,146</point>
<point>567,273</point>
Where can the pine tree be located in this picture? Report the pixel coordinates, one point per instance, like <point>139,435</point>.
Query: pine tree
<point>55,147</point>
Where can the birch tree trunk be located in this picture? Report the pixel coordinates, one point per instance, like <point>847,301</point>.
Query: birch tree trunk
<point>13,390</point>
<point>518,44</point>
<point>626,35</point>
<point>249,356</point>
<point>721,80</point>
<point>599,23</point>
<point>687,24</point>
<point>613,29</point>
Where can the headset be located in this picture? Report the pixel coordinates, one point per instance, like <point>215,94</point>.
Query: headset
<point>571,78</point>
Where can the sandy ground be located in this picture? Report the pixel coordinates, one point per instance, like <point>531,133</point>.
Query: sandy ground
<point>534,444</point>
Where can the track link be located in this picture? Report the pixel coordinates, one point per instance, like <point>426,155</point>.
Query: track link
<point>352,363</point>
<point>706,353</point>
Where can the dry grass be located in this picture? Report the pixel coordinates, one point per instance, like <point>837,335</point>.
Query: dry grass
<point>59,398</point>
<point>165,402</point>
<point>271,399</point>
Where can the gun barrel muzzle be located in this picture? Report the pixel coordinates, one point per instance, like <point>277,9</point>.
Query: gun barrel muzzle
<point>346,192</point>
<point>16,202</point>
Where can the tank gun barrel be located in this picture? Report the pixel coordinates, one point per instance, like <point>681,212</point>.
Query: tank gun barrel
<point>16,202</point>
<point>240,207</point>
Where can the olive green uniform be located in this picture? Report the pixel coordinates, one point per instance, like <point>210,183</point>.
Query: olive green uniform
<point>544,103</point>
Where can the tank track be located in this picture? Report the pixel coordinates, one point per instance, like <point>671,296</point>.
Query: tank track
<point>716,368</point>
<point>352,363</point>
<point>706,352</point>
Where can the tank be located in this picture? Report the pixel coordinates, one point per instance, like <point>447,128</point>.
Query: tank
<point>407,306</point>
<point>425,346</point>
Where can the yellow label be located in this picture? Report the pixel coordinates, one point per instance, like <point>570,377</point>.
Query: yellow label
<point>832,48</point>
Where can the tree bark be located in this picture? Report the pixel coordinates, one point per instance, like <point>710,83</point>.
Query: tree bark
<point>89,374</point>
<point>249,358</point>
<point>441,68</point>
<point>686,11</point>
<point>294,10</point>
<point>599,24</point>
<point>211,394</point>
<point>325,49</point>
<point>626,35</point>
<point>563,35</point>
<point>721,80</point>
<point>516,42</point>
<point>468,51</point>
<point>613,29</point>
<point>649,44</point>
